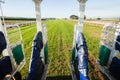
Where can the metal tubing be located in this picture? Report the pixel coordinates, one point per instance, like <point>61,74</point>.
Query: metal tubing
<point>81,14</point>
<point>38,14</point>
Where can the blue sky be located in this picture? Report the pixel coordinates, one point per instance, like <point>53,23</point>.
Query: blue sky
<point>62,8</point>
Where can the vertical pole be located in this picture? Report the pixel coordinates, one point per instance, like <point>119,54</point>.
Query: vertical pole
<point>38,21</point>
<point>81,14</point>
<point>1,28</point>
<point>38,14</point>
<point>81,46</point>
<point>3,25</point>
<point>7,52</point>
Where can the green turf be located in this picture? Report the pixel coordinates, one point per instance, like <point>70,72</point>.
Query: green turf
<point>92,34</point>
<point>60,40</point>
<point>60,36</point>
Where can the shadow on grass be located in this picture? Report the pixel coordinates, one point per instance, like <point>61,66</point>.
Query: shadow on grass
<point>59,78</point>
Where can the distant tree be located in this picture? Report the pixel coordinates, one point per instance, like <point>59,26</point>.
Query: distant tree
<point>76,17</point>
<point>73,17</point>
<point>85,17</point>
<point>98,18</point>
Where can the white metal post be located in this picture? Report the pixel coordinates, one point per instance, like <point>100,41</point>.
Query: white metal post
<point>1,26</point>
<point>81,14</point>
<point>79,27</point>
<point>38,14</point>
<point>6,52</point>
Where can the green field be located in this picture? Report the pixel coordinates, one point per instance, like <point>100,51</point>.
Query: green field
<point>28,33</point>
<point>92,34</point>
<point>60,40</point>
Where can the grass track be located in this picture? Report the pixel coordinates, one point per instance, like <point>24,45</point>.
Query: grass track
<point>92,34</point>
<point>60,36</point>
<point>28,33</point>
<point>60,39</point>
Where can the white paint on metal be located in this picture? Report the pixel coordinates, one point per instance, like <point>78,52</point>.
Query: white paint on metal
<point>7,40</point>
<point>82,1</point>
<point>77,30</point>
<point>1,28</point>
<point>81,14</point>
<point>38,14</point>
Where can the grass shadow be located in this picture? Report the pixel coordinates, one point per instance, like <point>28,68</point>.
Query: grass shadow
<point>69,77</point>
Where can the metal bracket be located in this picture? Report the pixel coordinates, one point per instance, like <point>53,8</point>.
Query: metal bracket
<point>37,1</point>
<point>82,1</point>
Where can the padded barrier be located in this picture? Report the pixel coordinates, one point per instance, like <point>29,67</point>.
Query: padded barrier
<point>76,68</point>
<point>115,68</point>
<point>18,54</point>
<point>46,53</point>
<point>5,67</point>
<point>104,54</point>
<point>73,55</point>
<point>3,42</point>
<point>36,66</point>
<point>82,53</point>
<point>117,44</point>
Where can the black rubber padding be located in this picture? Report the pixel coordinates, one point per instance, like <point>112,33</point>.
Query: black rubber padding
<point>84,57</point>
<point>115,68</point>
<point>117,45</point>
<point>36,66</point>
<point>3,42</point>
<point>5,67</point>
<point>38,41</point>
